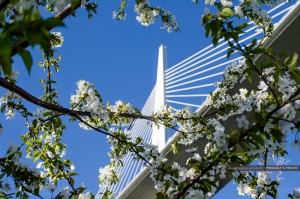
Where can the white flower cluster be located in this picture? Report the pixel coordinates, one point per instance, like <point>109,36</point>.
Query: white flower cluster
<point>64,194</point>
<point>296,194</point>
<point>57,6</point>
<point>263,181</point>
<point>238,11</point>
<point>4,100</point>
<point>245,189</point>
<point>87,99</point>
<point>59,40</point>
<point>10,97</point>
<point>226,3</point>
<point>263,19</point>
<point>219,136</point>
<point>210,2</point>
<point>242,122</point>
<point>147,15</point>
<point>171,24</point>
<point>108,175</point>
<point>86,195</point>
<point>33,174</point>
<point>196,192</point>
<point>25,5</point>
<point>119,15</point>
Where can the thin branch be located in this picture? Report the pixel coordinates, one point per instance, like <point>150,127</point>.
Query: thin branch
<point>68,10</point>
<point>285,120</point>
<point>97,129</point>
<point>52,117</point>
<point>26,95</point>
<point>256,70</point>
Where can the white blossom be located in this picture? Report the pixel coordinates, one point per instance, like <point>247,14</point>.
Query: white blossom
<point>226,3</point>
<point>296,194</point>
<point>51,187</point>
<point>10,114</point>
<point>238,11</point>
<point>242,122</point>
<point>87,195</point>
<point>64,193</point>
<point>59,40</point>
<point>107,175</point>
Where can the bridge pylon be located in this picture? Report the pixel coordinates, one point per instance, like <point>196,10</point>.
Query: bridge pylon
<point>159,131</point>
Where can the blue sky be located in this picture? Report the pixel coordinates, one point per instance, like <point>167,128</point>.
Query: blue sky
<point>120,58</point>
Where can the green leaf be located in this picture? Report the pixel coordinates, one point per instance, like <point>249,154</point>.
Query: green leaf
<point>5,53</point>
<point>215,28</point>
<point>3,108</point>
<point>1,175</point>
<point>295,73</point>
<point>6,66</point>
<point>294,60</point>
<point>207,29</point>
<point>192,161</point>
<point>276,134</point>
<point>174,148</point>
<point>53,22</point>
<point>243,25</point>
<point>227,12</point>
<point>258,139</point>
<point>161,195</point>
<point>229,52</point>
<point>138,140</point>
<point>249,76</point>
<point>27,59</point>
<point>74,4</point>
<point>71,181</point>
<point>18,194</point>
<point>2,18</point>
<point>215,41</point>
<point>207,18</point>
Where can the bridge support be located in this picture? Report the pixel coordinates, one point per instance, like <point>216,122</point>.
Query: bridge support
<point>159,132</point>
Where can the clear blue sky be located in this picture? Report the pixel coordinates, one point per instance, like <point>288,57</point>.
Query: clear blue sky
<point>120,58</point>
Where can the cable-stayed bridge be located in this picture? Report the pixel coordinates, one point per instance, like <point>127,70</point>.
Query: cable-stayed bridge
<point>188,83</point>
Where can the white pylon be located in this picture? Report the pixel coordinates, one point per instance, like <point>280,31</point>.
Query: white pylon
<point>159,132</point>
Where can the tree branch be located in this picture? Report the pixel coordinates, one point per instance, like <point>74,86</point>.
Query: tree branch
<point>24,94</point>
<point>190,183</point>
<point>68,10</point>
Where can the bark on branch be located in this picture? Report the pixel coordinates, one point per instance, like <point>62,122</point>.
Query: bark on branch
<point>24,94</point>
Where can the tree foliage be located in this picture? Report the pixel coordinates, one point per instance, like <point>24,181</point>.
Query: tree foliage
<point>273,100</point>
